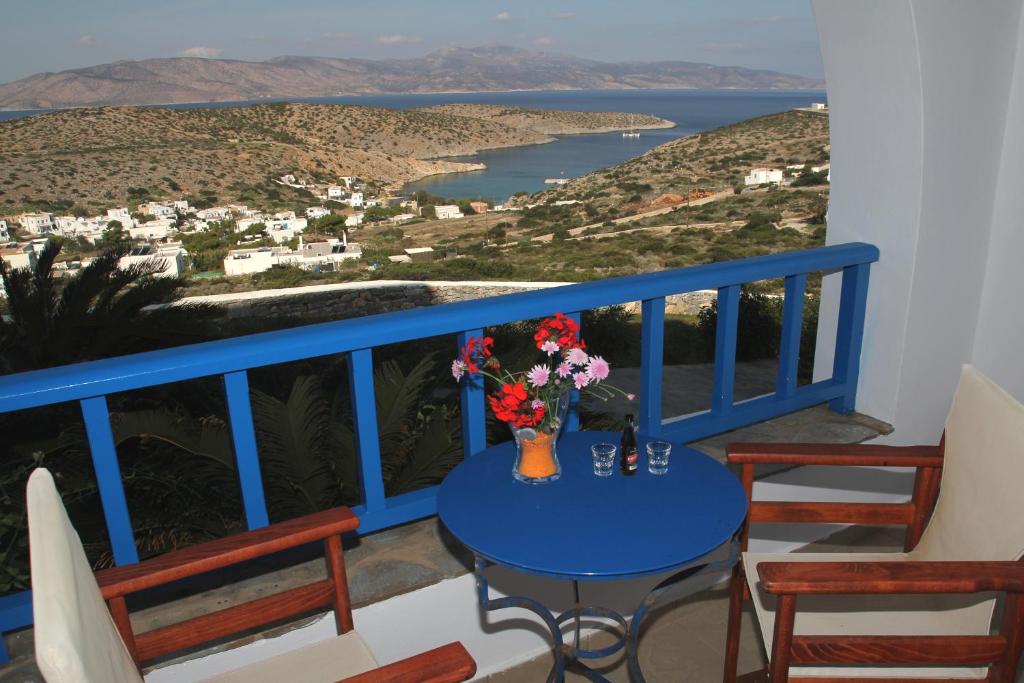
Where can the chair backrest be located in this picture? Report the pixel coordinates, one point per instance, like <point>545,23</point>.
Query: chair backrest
<point>75,636</point>
<point>979,514</point>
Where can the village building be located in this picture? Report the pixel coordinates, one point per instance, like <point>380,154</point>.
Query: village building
<point>157,209</point>
<point>354,220</point>
<point>336,192</point>
<point>479,207</point>
<point>420,254</point>
<point>5,234</point>
<point>763,176</point>
<point>402,218</point>
<point>445,211</point>
<point>170,257</point>
<point>355,200</point>
<point>153,230</point>
<point>316,256</point>
<point>317,212</point>
<point>36,223</point>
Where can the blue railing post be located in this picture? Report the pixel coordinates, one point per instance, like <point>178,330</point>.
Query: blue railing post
<point>792,326</point>
<point>652,359</point>
<point>247,459</point>
<point>723,392</point>
<point>572,420</point>
<point>364,417</point>
<point>108,479</point>
<point>850,335</point>
<point>474,420</point>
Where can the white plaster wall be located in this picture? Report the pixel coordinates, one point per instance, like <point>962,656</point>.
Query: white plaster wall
<point>999,338</point>
<point>918,92</point>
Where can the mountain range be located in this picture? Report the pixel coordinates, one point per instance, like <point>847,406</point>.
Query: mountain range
<point>488,68</point>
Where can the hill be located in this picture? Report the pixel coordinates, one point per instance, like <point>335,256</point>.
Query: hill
<point>551,122</point>
<point>160,81</point>
<point>101,156</point>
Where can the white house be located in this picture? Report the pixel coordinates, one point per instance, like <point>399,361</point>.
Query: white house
<point>20,256</point>
<point>356,200</point>
<point>354,220</point>
<point>157,209</point>
<point>402,218</point>
<point>447,211</point>
<point>762,176</point>
<point>153,230</point>
<point>171,256</point>
<point>336,192</point>
<point>819,106</point>
<point>796,167</point>
<point>243,224</point>
<point>317,212</point>
<point>74,226</point>
<point>419,254</point>
<point>36,223</point>
<point>181,205</point>
<point>215,213</point>
<point>122,215</point>
<point>5,234</point>
<point>318,256</point>
<point>284,230</point>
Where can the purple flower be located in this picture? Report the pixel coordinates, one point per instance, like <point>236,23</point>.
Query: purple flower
<point>563,370</point>
<point>549,347</point>
<point>578,357</point>
<point>538,375</point>
<point>537,404</point>
<point>581,379</point>
<point>598,368</point>
<point>458,369</point>
<point>631,397</point>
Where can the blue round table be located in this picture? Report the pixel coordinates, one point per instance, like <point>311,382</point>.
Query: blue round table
<point>583,527</point>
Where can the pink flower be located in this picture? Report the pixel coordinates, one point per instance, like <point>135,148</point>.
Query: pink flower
<point>458,369</point>
<point>538,375</point>
<point>563,370</point>
<point>537,404</point>
<point>578,357</point>
<point>549,347</point>
<point>598,368</point>
<point>630,397</point>
<point>581,379</point>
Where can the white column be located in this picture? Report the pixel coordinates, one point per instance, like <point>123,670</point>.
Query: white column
<point>918,92</point>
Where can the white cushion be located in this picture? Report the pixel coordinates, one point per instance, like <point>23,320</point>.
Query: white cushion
<point>324,662</point>
<point>75,637</point>
<point>868,615</point>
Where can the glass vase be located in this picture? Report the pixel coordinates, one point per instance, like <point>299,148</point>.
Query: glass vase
<point>536,448</point>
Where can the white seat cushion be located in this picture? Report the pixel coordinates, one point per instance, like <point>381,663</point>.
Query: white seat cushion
<point>870,615</point>
<point>75,637</point>
<point>324,662</point>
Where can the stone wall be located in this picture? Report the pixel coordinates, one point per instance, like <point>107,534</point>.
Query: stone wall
<point>356,299</point>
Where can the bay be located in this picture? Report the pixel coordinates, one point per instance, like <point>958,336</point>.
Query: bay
<point>515,169</point>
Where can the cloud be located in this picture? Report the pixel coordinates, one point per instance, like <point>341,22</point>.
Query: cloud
<point>503,16</point>
<point>544,40</point>
<point>202,52</point>
<point>87,40</point>
<point>397,39</point>
<point>337,35</point>
<point>565,15</point>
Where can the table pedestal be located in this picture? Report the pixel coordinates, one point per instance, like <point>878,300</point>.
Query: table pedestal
<point>569,656</point>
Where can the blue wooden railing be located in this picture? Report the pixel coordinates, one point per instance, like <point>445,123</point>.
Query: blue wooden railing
<point>90,383</point>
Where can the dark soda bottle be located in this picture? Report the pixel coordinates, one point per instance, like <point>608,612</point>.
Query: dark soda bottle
<point>629,459</point>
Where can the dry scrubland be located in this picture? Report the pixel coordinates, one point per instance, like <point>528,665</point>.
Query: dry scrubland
<point>92,156</point>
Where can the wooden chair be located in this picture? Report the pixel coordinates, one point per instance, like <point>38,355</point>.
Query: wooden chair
<point>925,614</point>
<point>78,639</point>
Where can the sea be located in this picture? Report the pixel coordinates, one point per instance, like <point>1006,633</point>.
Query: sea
<point>524,169</point>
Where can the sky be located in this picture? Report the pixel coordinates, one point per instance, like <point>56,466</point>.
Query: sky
<point>53,35</point>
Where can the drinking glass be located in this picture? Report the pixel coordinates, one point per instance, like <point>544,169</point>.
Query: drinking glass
<point>604,459</point>
<point>657,456</point>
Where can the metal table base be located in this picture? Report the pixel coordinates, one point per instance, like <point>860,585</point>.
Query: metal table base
<point>568,656</point>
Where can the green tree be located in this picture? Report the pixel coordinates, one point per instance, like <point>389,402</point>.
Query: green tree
<point>96,313</point>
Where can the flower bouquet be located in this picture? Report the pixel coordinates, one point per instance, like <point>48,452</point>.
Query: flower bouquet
<point>535,403</point>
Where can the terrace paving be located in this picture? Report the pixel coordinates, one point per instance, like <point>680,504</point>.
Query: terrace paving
<point>419,554</point>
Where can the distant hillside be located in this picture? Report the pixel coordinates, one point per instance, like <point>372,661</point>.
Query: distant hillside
<point>157,81</point>
<point>95,156</point>
<point>551,122</point>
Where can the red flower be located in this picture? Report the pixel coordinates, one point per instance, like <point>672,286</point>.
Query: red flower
<point>510,404</point>
<point>560,329</point>
<point>476,350</point>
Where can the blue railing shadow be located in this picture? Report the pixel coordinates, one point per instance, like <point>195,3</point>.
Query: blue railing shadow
<point>90,383</point>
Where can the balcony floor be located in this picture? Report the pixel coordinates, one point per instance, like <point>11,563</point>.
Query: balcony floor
<point>419,554</point>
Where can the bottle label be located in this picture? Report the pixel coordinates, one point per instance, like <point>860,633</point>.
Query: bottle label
<point>631,459</point>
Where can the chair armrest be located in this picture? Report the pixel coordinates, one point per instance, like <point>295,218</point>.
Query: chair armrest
<point>819,578</point>
<point>223,552</point>
<point>833,454</point>
<point>447,664</point>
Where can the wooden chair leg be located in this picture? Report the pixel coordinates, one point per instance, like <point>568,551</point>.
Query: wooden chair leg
<point>732,633</point>
<point>1012,628</point>
<point>782,643</point>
